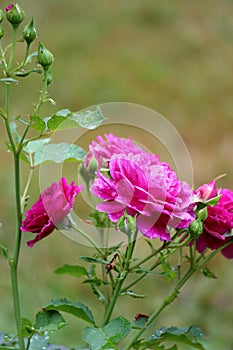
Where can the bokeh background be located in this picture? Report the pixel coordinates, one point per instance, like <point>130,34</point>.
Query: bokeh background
<point>175,57</point>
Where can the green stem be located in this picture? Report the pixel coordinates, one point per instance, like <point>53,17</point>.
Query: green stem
<point>121,278</point>
<point>104,277</point>
<point>87,237</point>
<point>14,261</point>
<point>171,296</point>
<point>175,291</point>
<point>25,58</point>
<point>26,190</point>
<point>156,264</point>
<point>165,245</point>
<point>43,94</point>
<point>12,50</point>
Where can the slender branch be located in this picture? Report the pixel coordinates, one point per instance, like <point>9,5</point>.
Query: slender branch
<point>26,190</point>
<point>24,62</point>
<point>121,278</point>
<point>87,237</point>
<point>43,94</point>
<point>175,291</point>
<point>12,50</point>
<point>13,263</point>
<point>15,260</point>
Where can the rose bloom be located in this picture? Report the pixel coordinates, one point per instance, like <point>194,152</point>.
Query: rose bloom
<point>103,150</point>
<point>219,221</point>
<point>147,189</point>
<point>53,205</point>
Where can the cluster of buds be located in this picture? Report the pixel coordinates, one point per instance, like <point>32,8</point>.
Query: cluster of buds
<point>15,15</point>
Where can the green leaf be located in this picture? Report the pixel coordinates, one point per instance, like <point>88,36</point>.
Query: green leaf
<point>8,341</point>
<point>58,153</point>
<point>153,250</point>
<point>187,335</point>
<point>36,146</point>
<point>89,119</point>
<point>108,336</point>
<point>39,342</point>
<point>9,81</point>
<point>5,252</point>
<point>25,73</point>
<point>207,273</point>
<point>60,120</point>
<point>140,321</point>
<point>96,281</point>
<point>64,119</point>
<point>133,294</point>
<point>97,292</point>
<point>169,271</point>
<point>92,260</point>
<point>49,320</point>
<point>26,329</point>
<point>76,309</point>
<point>38,124</point>
<point>141,270</point>
<point>13,127</point>
<point>73,270</point>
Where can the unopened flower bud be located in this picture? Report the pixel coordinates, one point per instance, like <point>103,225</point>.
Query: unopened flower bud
<point>1,32</point>
<point>127,224</point>
<point>14,14</point>
<point>93,166</point>
<point>203,214</point>
<point>195,229</point>
<point>1,16</point>
<point>29,32</point>
<point>45,57</point>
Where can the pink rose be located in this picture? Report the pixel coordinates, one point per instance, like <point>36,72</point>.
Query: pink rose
<point>147,189</point>
<point>219,222</point>
<point>103,150</point>
<point>207,191</point>
<point>53,205</point>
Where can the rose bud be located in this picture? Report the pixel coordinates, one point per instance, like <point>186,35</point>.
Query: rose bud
<point>45,57</point>
<point>1,32</point>
<point>29,32</point>
<point>14,14</point>
<point>1,16</point>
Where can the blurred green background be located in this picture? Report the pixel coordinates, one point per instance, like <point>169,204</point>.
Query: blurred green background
<point>175,57</point>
